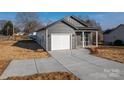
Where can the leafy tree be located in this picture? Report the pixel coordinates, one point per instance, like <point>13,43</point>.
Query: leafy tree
<point>8,28</point>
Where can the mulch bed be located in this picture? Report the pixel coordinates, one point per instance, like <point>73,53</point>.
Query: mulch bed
<point>47,76</point>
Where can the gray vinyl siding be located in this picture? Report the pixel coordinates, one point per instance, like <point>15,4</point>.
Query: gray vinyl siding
<point>44,36</point>
<point>60,28</point>
<point>74,41</point>
<point>117,34</point>
<point>41,38</point>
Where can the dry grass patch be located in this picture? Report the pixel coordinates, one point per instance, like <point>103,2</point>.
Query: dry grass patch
<point>113,53</point>
<point>23,49</point>
<point>20,50</point>
<point>47,76</point>
<point>3,65</point>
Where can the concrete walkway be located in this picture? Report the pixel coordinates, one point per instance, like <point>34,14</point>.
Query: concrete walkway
<point>87,66</point>
<point>32,66</point>
<point>79,62</point>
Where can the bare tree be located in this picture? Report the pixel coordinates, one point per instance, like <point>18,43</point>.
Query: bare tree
<point>93,23</point>
<point>49,22</point>
<point>28,21</point>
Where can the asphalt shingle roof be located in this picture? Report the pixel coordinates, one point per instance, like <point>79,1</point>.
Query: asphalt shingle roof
<point>72,25</point>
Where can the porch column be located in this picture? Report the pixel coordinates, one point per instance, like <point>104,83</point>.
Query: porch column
<point>96,38</point>
<point>83,39</point>
<point>91,38</point>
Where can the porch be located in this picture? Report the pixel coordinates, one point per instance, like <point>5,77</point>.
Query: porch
<point>85,39</point>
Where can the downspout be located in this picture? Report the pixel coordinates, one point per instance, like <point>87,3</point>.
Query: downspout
<point>83,39</point>
<point>91,39</point>
<point>71,40</point>
<point>76,40</point>
<point>47,39</point>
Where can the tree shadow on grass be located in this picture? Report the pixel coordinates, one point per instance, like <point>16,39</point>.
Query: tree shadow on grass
<point>27,44</point>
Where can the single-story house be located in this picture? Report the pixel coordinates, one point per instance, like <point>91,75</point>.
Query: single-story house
<point>68,33</point>
<point>115,35</point>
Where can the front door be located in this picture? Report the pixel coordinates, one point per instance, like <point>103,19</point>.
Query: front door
<point>84,39</point>
<point>79,39</point>
<point>87,39</point>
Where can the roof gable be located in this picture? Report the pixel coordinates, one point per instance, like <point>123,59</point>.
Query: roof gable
<point>71,25</point>
<point>62,20</point>
<point>75,21</point>
<point>113,29</point>
<point>79,21</point>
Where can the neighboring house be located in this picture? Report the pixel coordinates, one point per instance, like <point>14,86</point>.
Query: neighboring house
<point>68,33</point>
<point>115,35</point>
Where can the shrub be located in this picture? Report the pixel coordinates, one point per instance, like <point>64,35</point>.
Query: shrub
<point>101,42</point>
<point>93,50</point>
<point>118,42</point>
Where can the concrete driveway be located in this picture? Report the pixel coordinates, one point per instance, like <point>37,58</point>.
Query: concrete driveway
<point>87,66</point>
<point>79,62</point>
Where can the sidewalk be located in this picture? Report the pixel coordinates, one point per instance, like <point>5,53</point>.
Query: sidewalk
<point>32,66</point>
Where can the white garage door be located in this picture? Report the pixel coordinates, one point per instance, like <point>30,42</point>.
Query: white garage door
<point>60,41</point>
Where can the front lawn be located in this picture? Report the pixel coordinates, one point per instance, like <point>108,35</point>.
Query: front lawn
<point>21,50</point>
<point>3,65</point>
<point>24,49</point>
<point>110,52</point>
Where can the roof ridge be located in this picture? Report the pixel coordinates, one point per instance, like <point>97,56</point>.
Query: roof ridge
<point>69,23</point>
<point>79,20</point>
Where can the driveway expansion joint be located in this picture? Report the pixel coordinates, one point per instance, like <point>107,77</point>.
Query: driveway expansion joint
<point>62,65</point>
<point>86,66</point>
<point>36,66</point>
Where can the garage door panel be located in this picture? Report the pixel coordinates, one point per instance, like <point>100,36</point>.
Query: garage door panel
<point>60,41</point>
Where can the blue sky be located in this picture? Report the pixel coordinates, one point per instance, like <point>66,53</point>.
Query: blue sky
<point>106,19</point>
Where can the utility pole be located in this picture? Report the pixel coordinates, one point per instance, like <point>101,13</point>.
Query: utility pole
<point>13,33</point>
